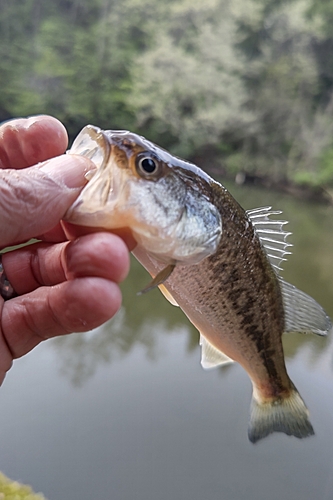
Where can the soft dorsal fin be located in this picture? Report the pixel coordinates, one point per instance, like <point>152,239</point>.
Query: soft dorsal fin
<point>302,313</point>
<point>271,234</point>
<point>210,356</point>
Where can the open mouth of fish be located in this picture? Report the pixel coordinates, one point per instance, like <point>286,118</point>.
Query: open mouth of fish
<point>136,187</point>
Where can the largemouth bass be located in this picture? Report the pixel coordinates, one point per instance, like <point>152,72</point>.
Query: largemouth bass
<point>219,263</point>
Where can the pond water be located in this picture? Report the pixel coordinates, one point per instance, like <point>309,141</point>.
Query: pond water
<point>126,412</point>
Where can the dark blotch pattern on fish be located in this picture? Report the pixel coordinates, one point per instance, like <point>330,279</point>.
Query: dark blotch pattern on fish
<point>253,298</point>
<point>218,270</point>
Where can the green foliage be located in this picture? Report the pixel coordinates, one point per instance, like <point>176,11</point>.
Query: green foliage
<point>283,84</point>
<point>12,490</point>
<point>322,175</point>
<point>326,167</point>
<point>250,80</point>
<point>188,83</point>
<point>236,163</point>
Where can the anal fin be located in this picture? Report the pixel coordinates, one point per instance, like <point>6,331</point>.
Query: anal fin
<point>210,356</point>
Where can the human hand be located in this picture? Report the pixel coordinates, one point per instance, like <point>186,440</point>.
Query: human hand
<point>62,286</point>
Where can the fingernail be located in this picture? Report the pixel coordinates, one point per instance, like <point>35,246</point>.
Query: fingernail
<point>69,170</point>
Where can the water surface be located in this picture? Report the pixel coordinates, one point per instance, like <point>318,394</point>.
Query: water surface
<point>126,412</point>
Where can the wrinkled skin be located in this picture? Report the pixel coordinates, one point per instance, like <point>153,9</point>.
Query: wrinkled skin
<point>62,286</point>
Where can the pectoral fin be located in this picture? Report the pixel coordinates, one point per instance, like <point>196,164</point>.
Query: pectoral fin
<point>159,279</point>
<point>210,356</point>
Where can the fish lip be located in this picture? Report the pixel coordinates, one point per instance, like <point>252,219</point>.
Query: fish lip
<point>109,147</point>
<point>124,140</point>
<point>93,143</point>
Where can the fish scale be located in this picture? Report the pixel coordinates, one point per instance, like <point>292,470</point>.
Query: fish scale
<point>228,303</point>
<point>219,263</point>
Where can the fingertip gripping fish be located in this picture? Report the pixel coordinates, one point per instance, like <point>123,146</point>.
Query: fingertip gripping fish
<point>219,263</point>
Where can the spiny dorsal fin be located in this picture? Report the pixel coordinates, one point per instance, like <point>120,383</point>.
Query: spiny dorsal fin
<point>271,234</point>
<point>302,313</point>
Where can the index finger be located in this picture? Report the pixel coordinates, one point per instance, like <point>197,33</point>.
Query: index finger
<point>27,141</point>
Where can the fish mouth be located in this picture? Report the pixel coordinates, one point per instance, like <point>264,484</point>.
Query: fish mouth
<point>170,218</point>
<point>73,231</point>
<point>96,202</point>
<point>92,143</point>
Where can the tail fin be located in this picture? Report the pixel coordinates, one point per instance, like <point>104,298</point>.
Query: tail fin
<point>288,415</point>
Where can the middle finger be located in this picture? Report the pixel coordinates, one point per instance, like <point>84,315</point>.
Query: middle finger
<point>102,255</point>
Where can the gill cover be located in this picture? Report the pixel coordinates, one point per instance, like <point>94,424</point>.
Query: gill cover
<point>169,216</point>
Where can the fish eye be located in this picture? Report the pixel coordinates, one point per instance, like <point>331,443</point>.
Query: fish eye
<point>147,166</point>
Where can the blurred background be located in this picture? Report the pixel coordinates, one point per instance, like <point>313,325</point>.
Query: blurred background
<point>245,89</point>
<point>242,87</point>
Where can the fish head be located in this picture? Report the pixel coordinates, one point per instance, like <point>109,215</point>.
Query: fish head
<point>165,202</point>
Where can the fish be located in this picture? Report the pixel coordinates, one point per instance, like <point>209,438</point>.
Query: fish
<point>219,263</point>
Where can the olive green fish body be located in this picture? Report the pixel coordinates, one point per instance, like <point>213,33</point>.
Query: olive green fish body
<point>233,297</point>
<point>210,257</point>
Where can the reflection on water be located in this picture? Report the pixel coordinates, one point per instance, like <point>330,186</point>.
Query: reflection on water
<point>81,354</point>
<point>134,416</point>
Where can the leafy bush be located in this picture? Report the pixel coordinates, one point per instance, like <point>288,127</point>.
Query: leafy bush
<point>12,490</point>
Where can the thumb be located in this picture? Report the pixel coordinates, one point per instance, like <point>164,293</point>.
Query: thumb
<point>33,200</point>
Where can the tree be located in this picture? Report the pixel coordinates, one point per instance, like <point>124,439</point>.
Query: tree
<point>187,86</point>
<point>284,84</point>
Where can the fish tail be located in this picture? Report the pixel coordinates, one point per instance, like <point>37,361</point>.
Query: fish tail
<point>285,414</point>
